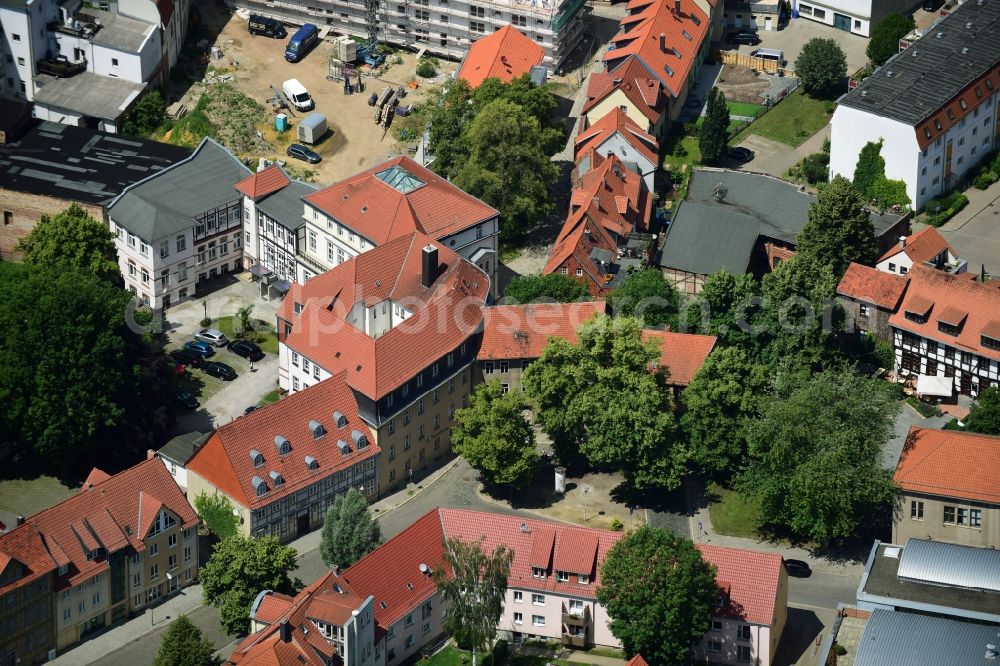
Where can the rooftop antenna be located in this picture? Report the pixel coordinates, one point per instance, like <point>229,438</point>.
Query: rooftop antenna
<point>719,192</point>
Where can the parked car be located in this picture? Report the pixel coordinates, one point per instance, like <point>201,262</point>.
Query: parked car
<point>798,568</point>
<point>743,37</point>
<point>246,349</point>
<point>250,410</point>
<point>262,25</point>
<point>203,349</point>
<point>220,370</point>
<point>184,398</point>
<point>212,336</point>
<point>300,152</point>
<point>740,153</point>
<point>187,357</point>
<point>930,5</point>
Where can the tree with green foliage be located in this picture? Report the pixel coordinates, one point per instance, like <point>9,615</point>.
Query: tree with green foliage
<point>349,531</point>
<point>537,101</point>
<point>984,415</point>
<point>800,314</point>
<point>822,66</point>
<point>243,316</point>
<point>507,166</point>
<point>492,434</point>
<point>184,645</point>
<point>75,241</point>
<point>148,114</point>
<point>869,169</point>
<point>474,585</point>
<point>884,42</point>
<point>839,229</point>
<point>76,386</point>
<point>725,307</point>
<point>724,395</point>
<point>551,287</point>
<point>635,432</point>
<point>714,133</point>
<point>216,513</point>
<point>448,113</point>
<point>648,296</point>
<point>816,466</point>
<point>659,593</point>
<point>237,572</point>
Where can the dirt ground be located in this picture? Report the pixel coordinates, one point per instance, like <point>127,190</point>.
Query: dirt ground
<point>356,142</point>
<point>741,84</point>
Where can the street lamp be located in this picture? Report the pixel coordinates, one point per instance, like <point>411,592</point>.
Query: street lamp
<point>411,476</point>
<point>205,305</point>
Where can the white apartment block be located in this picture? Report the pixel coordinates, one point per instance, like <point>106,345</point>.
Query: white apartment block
<point>856,16</point>
<point>443,27</point>
<point>934,106</point>
<point>170,246</point>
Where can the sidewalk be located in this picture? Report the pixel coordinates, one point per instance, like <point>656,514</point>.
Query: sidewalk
<point>189,599</point>
<point>979,200</point>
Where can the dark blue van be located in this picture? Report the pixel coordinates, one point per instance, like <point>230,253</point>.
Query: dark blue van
<point>301,42</point>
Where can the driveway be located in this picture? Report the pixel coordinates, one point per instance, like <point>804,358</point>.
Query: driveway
<point>775,158</point>
<point>799,31</point>
<point>975,231</point>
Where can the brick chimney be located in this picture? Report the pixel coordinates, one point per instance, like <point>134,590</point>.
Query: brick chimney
<point>902,242</point>
<point>663,42</point>
<point>677,7</point>
<point>429,265</point>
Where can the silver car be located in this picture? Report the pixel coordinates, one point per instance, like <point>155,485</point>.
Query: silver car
<point>212,336</point>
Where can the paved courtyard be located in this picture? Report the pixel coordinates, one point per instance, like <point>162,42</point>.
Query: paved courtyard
<point>975,231</point>
<point>799,31</point>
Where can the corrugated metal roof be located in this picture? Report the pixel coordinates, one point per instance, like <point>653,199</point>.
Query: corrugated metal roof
<point>893,638</point>
<point>951,564</point>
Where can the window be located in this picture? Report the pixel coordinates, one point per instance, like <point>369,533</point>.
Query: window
<point>743,632</point>
<point>172,540</point>
<point>409,620</point>
<point>518,597</point>
<point>136,580</point>
<point>892,267</point>
<point>714,646</point>
<point>916,510</point>
<point>963,517</point>
<point>477,26</point>
<point>295,359</point>
<point>114,62</point>
<point>488,368</point>
<point>187,553</point>
<point>16,37</point>
<point>154,572</point>
<point>145,276</point>
<point>538,620</point>
<point>164,249</point>
<point>171,563</point>
<point>975,518</point>
<point>583,579</point>
<point>538,572</point>
<point>154,549</point>
<point>716,625</point>
<point>562,576</point>
<point>408,641</point>
<point>518,618</point>
<point>949,515</point>
<point>743,652</point>
<point>537,599</point>
<point>863,310</point>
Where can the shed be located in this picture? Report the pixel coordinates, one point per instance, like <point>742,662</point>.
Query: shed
<point>312,129</point>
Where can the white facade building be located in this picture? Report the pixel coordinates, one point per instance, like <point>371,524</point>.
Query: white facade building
<point>936,119</point>
<point>169,246</point>
<point>857,16</point>
<point>443,27</point>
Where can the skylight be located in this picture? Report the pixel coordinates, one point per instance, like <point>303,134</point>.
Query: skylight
<point>399,178</point>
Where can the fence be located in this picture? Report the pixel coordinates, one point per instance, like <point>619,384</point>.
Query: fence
<point>759,64</point>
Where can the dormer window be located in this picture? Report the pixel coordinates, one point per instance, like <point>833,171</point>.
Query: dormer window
<point>583,579</point>
<point>918,318</point>
<point>951,319</point>
<point>276,478</point>
<point>562,576</point>
<point>257,458</point>
<point>258,485</point>
<point>339,419</point>
<point>282,444</point>
<point>311,462</point>
<point>537,572</point>
<point>360,441</point>
<point>990,342</point>
<point>344,448</point>
<point>316,428</point>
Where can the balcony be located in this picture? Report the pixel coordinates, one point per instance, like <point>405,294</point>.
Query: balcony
<point>311,263</point>
<point>79,25</point>
<point>579,617</point>
<point>569,640</point>
<point>60,67</point>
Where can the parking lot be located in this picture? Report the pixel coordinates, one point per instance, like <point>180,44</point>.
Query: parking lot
<point>794,36</point>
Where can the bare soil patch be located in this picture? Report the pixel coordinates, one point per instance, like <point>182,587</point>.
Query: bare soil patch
<point>742,84</point>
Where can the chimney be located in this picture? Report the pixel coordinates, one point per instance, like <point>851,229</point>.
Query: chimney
<point>677,7</point>
<point>285,632</point>
<point>902,242</point>
<point>430,265</point>
<point>663,40</point>
<point>150,454</point>
<point>20,520</point>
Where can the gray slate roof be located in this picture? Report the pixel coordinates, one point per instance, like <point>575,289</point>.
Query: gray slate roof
<point>80,164</point>
<point>951,564</point>
<point>915,83</point>
<point>87,93</point>
<point>286,204</point>
<point>708,234</point>
<point>181,448</point>
<point>120,32</point>
<point>169,201</point>
<point>894,638</point>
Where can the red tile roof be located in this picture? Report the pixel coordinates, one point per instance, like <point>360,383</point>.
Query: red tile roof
<point>24,545</point>
<point>921,246</point>
<point>444,315</point>
<point>380,212</point>
<point>579,236</point>
<point>95,477</point>
<point>224,460</point>
<point>667,43</point>
<point>635,82</point>
<point>262,183</point>
<point>506,54</point>
<point>753,578</point>
<point>577,553</point>
<point>932,291</point>
<point>616,122</point>
<point>272,607</point>
<point>864,283</point>
<point>637,660</point>
<point>522,331</point>
<point>107,515</point>
<point>948,463</point>
<point>682,354</point>
<point>541,549</point>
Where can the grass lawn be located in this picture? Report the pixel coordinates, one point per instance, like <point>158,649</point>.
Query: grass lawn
<point>452,656</point>
<point>509,253</point>
<point>263,333</point>
<point>271,397</point>
<point>29,496</point>
<point>732,514</point>
<point>791,121</point>
<point>681,150</point>
<point>744,109</point>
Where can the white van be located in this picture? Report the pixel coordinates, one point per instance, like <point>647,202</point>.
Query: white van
<point>297,95</point>
<point>769,54</point>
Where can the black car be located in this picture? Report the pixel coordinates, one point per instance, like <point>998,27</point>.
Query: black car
<point>741,154</point>
<point>220,370</point>
<point>300,152</point>
<point>187,357</point>
<point>930,5</point>
<point>184,398</point>
<point>250,410</point>
<point>246,349</point>
<point>798,568</point>
<point>743,37</point>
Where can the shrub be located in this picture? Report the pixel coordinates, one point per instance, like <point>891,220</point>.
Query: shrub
<point>943,208</point>
<point>617,525</point>
<point>887,193</point>
<point>839,650</point>
<point>207,321</point>
<point>815,168</point>
<point>984,180</point>
<point>500,652</point>
<point>426,70</point>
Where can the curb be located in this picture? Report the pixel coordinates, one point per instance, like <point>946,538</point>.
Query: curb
<point>971,217</point>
